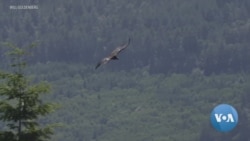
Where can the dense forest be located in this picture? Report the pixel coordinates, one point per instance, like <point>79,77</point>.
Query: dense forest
<point>136,105</point>
<point>185,57</point>
<point>168,35</point>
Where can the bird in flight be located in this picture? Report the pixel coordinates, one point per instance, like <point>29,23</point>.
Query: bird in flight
<point>113,55</point>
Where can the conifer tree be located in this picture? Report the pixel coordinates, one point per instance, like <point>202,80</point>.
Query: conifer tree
<point>20,101</point>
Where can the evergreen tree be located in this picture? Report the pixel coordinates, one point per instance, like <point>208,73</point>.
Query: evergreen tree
<point>20,102</point>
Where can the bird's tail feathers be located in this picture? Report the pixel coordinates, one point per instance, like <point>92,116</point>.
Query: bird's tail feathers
<point>115,58</point>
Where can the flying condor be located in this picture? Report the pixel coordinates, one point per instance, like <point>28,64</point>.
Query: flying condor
<point>113,55</point>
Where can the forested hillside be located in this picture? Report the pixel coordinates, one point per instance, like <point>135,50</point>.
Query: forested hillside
<point>138,106</point>
<point>185,57</point>
<point>167,35</point>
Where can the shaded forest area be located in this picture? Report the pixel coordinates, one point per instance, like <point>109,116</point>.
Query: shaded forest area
<point>185,57</point>
<point>167,36</point>
<point>136,105</point>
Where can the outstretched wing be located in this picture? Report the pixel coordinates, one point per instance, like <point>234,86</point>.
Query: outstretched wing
<point>119,49</point>
<point>98,65</point>
<point>113,54</point>
<point>103,61</point>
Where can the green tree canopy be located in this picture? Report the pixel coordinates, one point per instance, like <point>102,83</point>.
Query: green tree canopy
<point>20,102</point>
